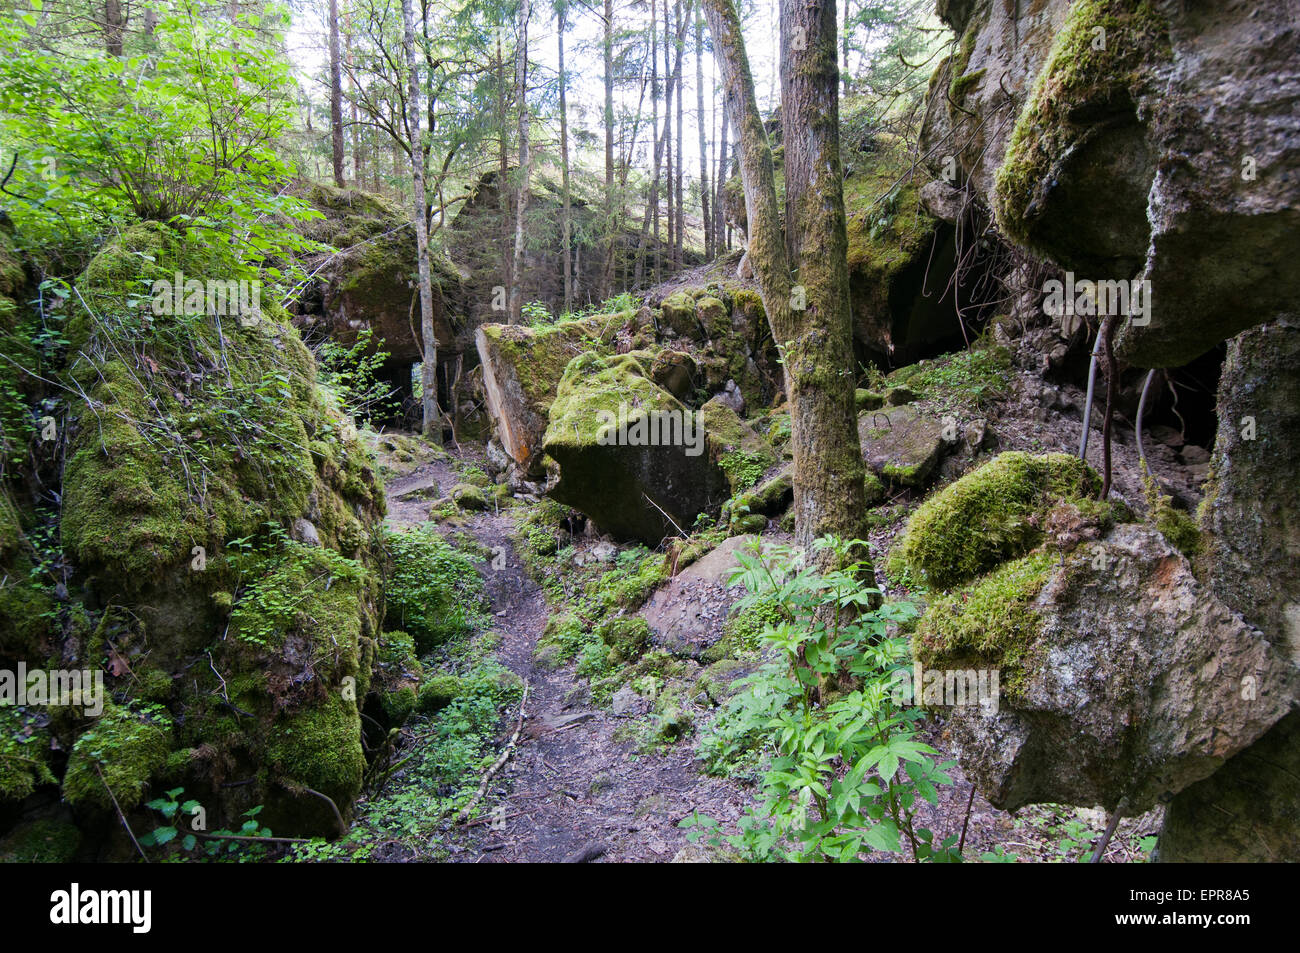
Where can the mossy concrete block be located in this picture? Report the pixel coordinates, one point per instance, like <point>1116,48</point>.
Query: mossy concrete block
<point>901,444</point>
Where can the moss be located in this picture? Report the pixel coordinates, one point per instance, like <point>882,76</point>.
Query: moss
<point>873,488</point>
<point>721,680</point>
<point>1178,527</point>
<point>468,497</point>
<point>864,399</point>
<point>742,453</point>
<point>1077,81</point>
<point>539,356</point>
<point>990,623</point>
<point>593,386</point>
<point>989,515</point>
<point>320,748</point>
<point>964,381</point>
<point>121,752</point>
<point>679,313</point>
<point>41,842</point>
<point>152,685</point>
<point>887,225</point>
<point>771,498</point>
<point>742,633</point>
<point>626,637</point>
<point>24,753</point>
<point>439,692</point>
<point>629,586</point>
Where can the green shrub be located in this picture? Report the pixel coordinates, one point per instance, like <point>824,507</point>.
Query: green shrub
<point>433,591</point>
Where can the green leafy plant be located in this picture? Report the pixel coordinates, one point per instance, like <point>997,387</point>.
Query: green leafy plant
<point>845,768</point>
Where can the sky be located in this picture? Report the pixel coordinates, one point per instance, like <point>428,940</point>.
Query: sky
<point>307,48</point>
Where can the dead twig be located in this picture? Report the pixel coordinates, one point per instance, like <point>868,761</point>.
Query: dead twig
<point>497,765</point>
<point>130,833</point>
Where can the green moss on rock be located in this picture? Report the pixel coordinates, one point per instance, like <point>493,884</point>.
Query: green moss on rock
<point>990,515</point>
<point>990,623</point>
<point>120,752</point>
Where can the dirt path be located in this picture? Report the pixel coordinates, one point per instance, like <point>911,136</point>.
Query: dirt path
<point>580,788</point>
<point>575,788</point>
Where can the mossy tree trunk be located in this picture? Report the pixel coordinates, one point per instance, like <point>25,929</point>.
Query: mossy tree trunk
<point>431,417</point>
<point>819,357</point>
<point>336,96</point>
<point>523,173</point>
<point>815,340</point>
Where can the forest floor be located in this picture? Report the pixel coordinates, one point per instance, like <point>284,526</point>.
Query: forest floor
<point>582,784</point>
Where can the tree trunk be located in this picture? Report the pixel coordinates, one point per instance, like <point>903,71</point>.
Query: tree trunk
<point>357,164</point>
<point>721,230</point>
<point>815,341</point>
<point>677,181</point>
<point>670,219</point>
<point>522,173</point>
<point>704,137</point>
<point>431,416</point>
<point>114,27</point>
<point>336,95</point>
<point>608,45</point>
<point>566,216</point>
<point>845,68</point>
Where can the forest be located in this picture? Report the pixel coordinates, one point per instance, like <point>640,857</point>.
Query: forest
<point>639,431</point>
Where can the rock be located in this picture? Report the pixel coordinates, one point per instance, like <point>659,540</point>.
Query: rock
<point>772,497</point>
<point>368,284</point>
<point>731,397</point>
<point>901,444</point>
<point>687,613</point>
<point>943,201</point>
<point>498,461</point>
<point>608,466</point>
<point>1251,515</point>
<point>1136,670</point>
<point>1192,455</point>
<point>1166,435</point>
<point>628,704</point>
<point>468,497</point>
<point>714,316</point>
<point>304,531</point>
<point>674,371</point>
<point>1247,810</point>
<point>897,396</point>
<point>522,367</point>
<point>865,399</point>
<point>1133,125</point>
<point>679,315</point>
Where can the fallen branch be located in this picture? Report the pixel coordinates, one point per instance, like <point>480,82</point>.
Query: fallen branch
<point>130,833</point>
<point>498,765</point>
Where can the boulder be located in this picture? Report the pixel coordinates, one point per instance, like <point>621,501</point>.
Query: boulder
<point>522,367</point>
<point>687,613</point>
<point>1251,550</point>
<point>630,456</point>
<point>901,444</point>
<point>1183,118</point>
<point>1124,680</point>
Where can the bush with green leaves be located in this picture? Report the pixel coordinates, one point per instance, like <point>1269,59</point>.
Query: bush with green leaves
<point>352,372</point>
<point>433,592</point>
<point>844,767</point>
